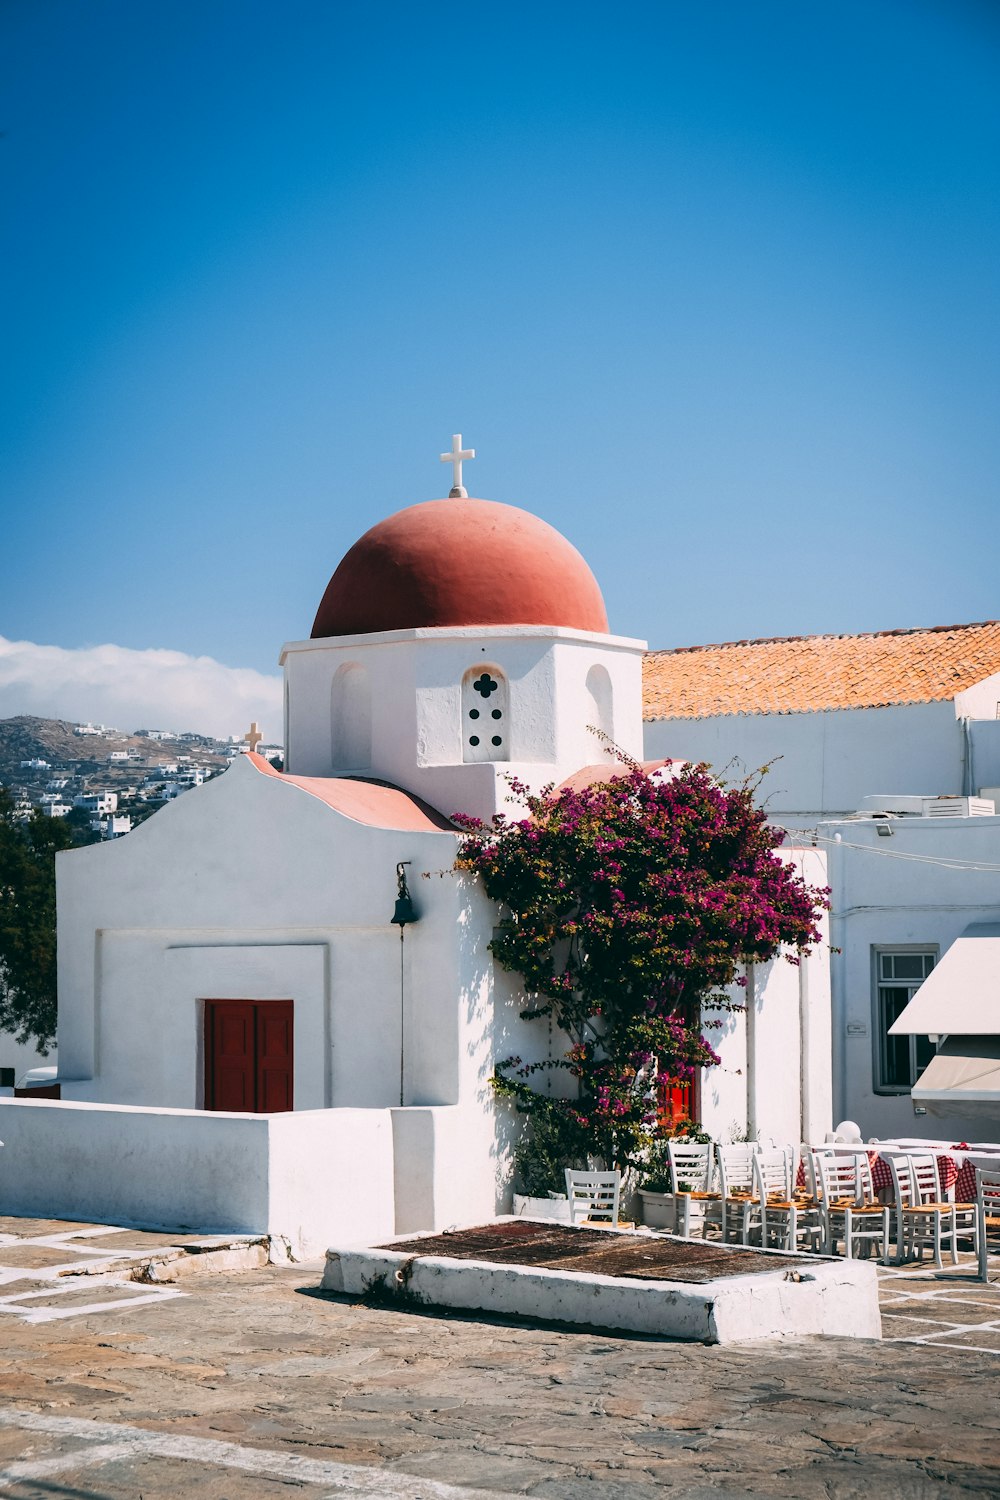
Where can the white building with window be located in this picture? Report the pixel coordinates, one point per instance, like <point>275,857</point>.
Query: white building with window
<point>101,804</point>
<point>837,717</point>
<point>886,753</point>
<point>902,901</point>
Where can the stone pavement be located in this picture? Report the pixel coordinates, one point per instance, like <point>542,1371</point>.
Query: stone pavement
<point>253,1384</point>
<point>50,1269</point>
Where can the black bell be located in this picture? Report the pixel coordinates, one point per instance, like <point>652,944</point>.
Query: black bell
<point>405,911</point>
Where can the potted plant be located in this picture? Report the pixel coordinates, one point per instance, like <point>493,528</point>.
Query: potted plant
<point>541,1156</point>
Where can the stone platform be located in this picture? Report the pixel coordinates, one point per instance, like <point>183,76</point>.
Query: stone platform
<point>603,1278</point>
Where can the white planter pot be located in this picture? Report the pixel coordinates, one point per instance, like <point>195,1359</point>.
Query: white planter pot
<point>542,1208</point>
<point>659,1210</point>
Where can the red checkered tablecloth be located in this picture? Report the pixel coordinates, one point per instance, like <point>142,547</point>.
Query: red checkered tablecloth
<point>965,1183</point>
<point>947,1172</point>
<point>953,1171</point>
<point>873,1157</point>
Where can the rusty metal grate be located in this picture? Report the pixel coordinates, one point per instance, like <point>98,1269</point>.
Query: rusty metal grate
<point>565,1248</point>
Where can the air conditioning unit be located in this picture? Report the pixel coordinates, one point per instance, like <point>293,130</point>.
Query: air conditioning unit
<point>958,807</point>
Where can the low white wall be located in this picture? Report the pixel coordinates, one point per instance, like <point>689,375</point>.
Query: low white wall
<point>309,1176</point>
<point>330,1173</point>
<point>441,1157</point>
<point>836,1297</point>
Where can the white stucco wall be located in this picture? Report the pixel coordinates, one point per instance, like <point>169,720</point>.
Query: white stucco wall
<point>825,763</point>
<point>417,727</point>
<point>775,1078</point>
<point>981,700</point>
<point>308,1176</point>
<point>443,1161</point>
<point>249,887</point>
<point>884,897</point>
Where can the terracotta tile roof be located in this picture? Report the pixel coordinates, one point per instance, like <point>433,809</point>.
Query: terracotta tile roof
<point>804,674</point>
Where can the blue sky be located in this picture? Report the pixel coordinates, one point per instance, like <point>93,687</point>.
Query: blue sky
<point>712,288</point>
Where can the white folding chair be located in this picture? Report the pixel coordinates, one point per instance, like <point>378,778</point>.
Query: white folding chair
<point>987,1212</point>
<point>848,1207</point>
<point>692,1167</point>
<point>593,1195</point>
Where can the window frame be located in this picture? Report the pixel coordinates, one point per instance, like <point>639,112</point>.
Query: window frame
<point>880,1036</point>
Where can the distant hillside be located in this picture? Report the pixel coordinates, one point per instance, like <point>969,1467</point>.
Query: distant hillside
<point>81,760</point>
<point>27,738</point>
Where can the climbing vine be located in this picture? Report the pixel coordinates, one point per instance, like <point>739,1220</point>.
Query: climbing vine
<point>627,909</point>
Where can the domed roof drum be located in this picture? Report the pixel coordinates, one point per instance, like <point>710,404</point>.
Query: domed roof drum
<point>460,562</point>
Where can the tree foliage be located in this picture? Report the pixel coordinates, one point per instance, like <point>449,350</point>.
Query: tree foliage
<point>28,919</point>
<point>628,907</point>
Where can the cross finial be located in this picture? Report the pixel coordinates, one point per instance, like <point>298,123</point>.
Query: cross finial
<point>253,736</point>
<point>455,457</point>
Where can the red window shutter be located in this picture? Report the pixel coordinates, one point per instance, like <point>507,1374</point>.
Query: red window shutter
<point>676,1100</point>
<point>274,1056</point>
<point>230,1081</point>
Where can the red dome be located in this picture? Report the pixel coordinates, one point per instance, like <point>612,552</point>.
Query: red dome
<point>460,562</point>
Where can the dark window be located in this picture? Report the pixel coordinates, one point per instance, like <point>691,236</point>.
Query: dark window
<point>900,1059</point>
<point>497,713</point>
<point>473,739</point>
<point>496,740</point>
<point>473,713</point>
<point>7,1078</point>
<point>486,685</point>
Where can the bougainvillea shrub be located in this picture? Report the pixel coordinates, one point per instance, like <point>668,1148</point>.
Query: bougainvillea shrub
<point>628,908</point>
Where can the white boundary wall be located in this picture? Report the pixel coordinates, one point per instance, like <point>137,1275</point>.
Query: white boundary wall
<point>310,1175</point>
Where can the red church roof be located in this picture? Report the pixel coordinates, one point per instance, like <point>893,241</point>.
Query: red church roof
<point>460,562</point>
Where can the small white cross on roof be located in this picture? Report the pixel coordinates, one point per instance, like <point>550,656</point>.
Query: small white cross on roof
<point>457,491</point>
<point>253,735</point>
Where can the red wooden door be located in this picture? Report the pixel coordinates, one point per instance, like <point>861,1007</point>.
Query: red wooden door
<point>248,1055</point>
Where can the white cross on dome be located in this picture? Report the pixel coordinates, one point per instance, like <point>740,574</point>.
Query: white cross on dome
<point>455,457</point>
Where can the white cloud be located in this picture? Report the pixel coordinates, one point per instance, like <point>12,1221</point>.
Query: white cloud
<point>136,689</point>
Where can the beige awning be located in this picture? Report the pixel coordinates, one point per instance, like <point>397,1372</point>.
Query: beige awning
<point>963,1078</point>
<point>961,994</point>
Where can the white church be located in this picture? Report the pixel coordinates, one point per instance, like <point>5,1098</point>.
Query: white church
<point>247,1038</point>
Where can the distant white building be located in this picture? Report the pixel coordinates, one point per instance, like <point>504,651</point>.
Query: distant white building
<point>113,826</point>
<point>98,803</point>
<point>837,718</point>
<point>35,765</point>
